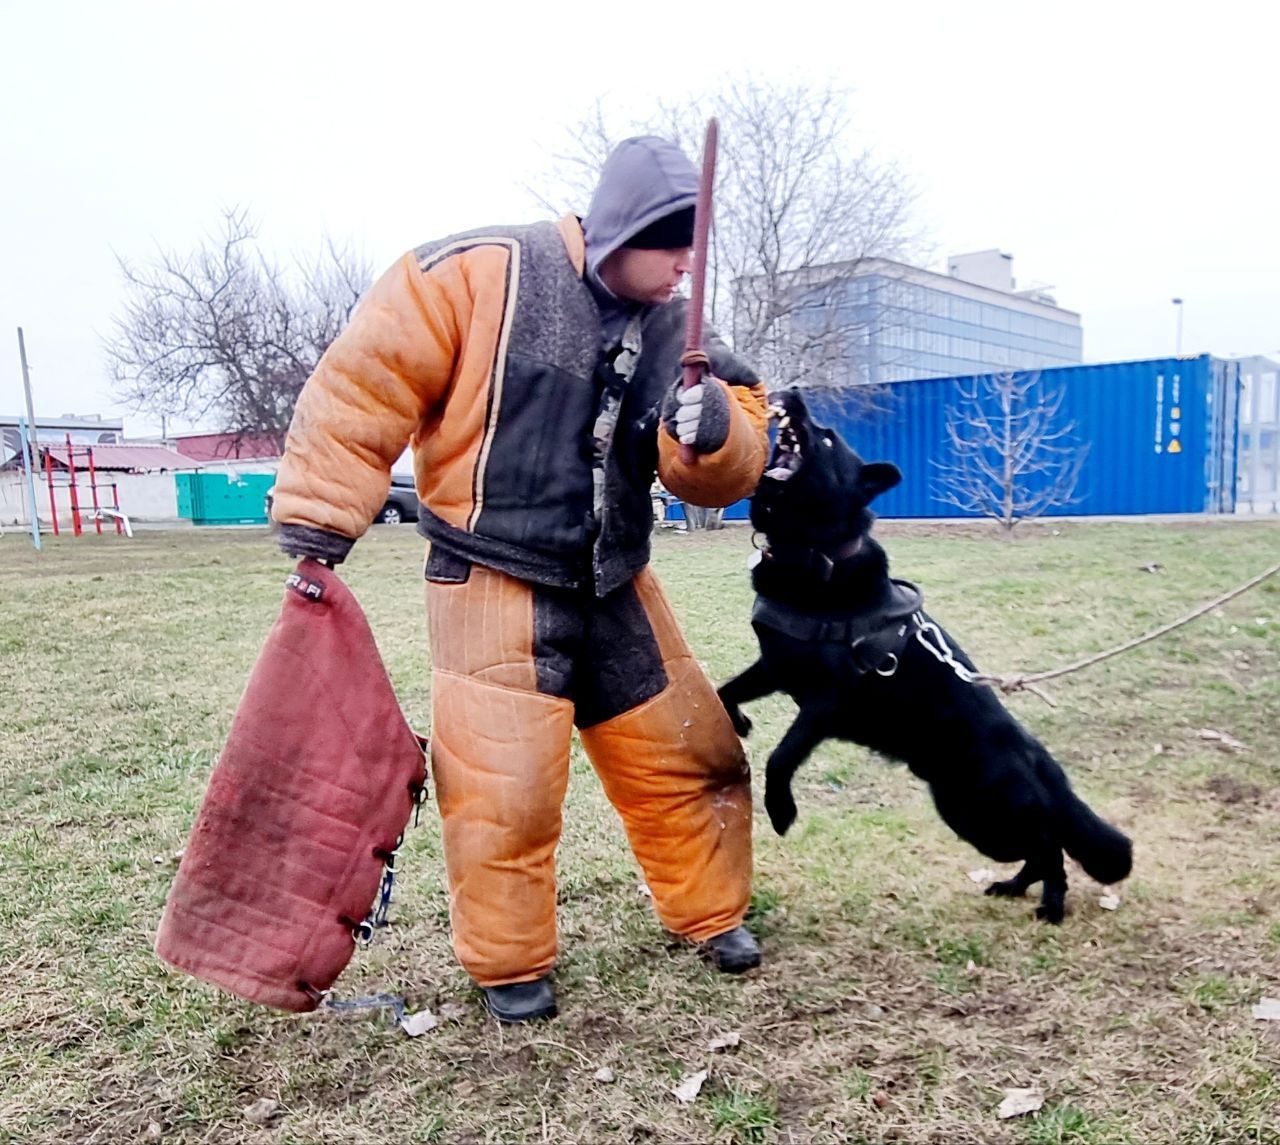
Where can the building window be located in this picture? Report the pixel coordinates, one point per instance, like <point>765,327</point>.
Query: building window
<point>1268,409</point>
<point>995,317</point>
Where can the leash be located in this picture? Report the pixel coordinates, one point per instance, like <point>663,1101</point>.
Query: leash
<point>931,638</point>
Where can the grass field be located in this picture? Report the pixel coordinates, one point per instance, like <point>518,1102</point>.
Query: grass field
<point>896,1002</point>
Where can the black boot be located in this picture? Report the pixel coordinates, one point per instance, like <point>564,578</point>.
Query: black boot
<point>521,1001</point>
<point>732,952</point>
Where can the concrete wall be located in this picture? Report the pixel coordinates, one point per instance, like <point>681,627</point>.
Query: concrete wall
<point>143,497</point>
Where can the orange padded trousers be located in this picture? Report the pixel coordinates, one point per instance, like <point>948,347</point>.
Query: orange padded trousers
<point>516,666</point>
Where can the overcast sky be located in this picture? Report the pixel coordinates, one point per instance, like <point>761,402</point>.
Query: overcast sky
<point>1124,153</point>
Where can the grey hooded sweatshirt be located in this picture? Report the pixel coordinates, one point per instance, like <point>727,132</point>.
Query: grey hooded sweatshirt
<point>643,180</point>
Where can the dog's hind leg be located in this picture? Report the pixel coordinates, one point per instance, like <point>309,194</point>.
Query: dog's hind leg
<point>1017,886</point>
<point>750,685</point>
<point>801,738</point>
<point>1045,867</point>
<point>1054,895</point>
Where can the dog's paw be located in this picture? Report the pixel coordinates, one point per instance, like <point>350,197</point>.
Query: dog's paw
<point>781,808</point>
<point>740,720</point>
<point>1051,912</point>
<point>1009,888</point>
<point>737,717</point>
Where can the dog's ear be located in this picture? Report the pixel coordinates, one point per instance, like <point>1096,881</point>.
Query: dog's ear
<point>795,402</point>
<point>877,477</point>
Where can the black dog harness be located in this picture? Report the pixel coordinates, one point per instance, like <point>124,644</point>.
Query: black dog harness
<point>877,636</point>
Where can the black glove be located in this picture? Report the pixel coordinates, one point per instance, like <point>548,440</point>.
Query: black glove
<point>304,541</point>
<point>698,416</point>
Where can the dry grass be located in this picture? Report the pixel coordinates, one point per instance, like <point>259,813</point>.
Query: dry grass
<point>897,1003</point>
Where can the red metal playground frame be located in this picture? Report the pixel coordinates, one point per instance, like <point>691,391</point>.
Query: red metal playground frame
<point>99,511</point>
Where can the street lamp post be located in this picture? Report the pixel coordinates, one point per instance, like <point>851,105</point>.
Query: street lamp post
<point>1178,303</point>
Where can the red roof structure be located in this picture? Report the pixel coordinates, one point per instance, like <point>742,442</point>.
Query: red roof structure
<point>227,447</point>
<point>122,458</point>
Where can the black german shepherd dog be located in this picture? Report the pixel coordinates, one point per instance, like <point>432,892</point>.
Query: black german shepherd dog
<point>864,662</point>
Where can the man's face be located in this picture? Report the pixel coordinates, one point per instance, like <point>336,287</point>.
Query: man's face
<point>647,276</point>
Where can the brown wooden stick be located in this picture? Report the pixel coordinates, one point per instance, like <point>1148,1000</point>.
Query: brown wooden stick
<point>694,361</point>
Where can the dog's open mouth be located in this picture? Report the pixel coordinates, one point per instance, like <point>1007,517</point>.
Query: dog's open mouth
<point>786,459</point>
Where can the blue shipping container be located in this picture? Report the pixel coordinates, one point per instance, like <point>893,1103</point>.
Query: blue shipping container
<point>1161,435</point>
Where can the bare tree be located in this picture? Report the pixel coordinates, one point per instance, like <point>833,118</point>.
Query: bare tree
<point>226,332</point>
<point>1013,456</point>
<point>799,211</point>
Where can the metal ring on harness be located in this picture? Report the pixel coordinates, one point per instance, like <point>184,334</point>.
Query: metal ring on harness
<point>318,996</point>
<point>882,672</point>
<point>363,933</point>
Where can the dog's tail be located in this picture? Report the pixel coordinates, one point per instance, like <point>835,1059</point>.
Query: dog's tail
<point>1104,852</point>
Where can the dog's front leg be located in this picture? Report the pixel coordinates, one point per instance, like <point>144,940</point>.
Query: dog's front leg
<point>750,685</point>
<point>801,738</point>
